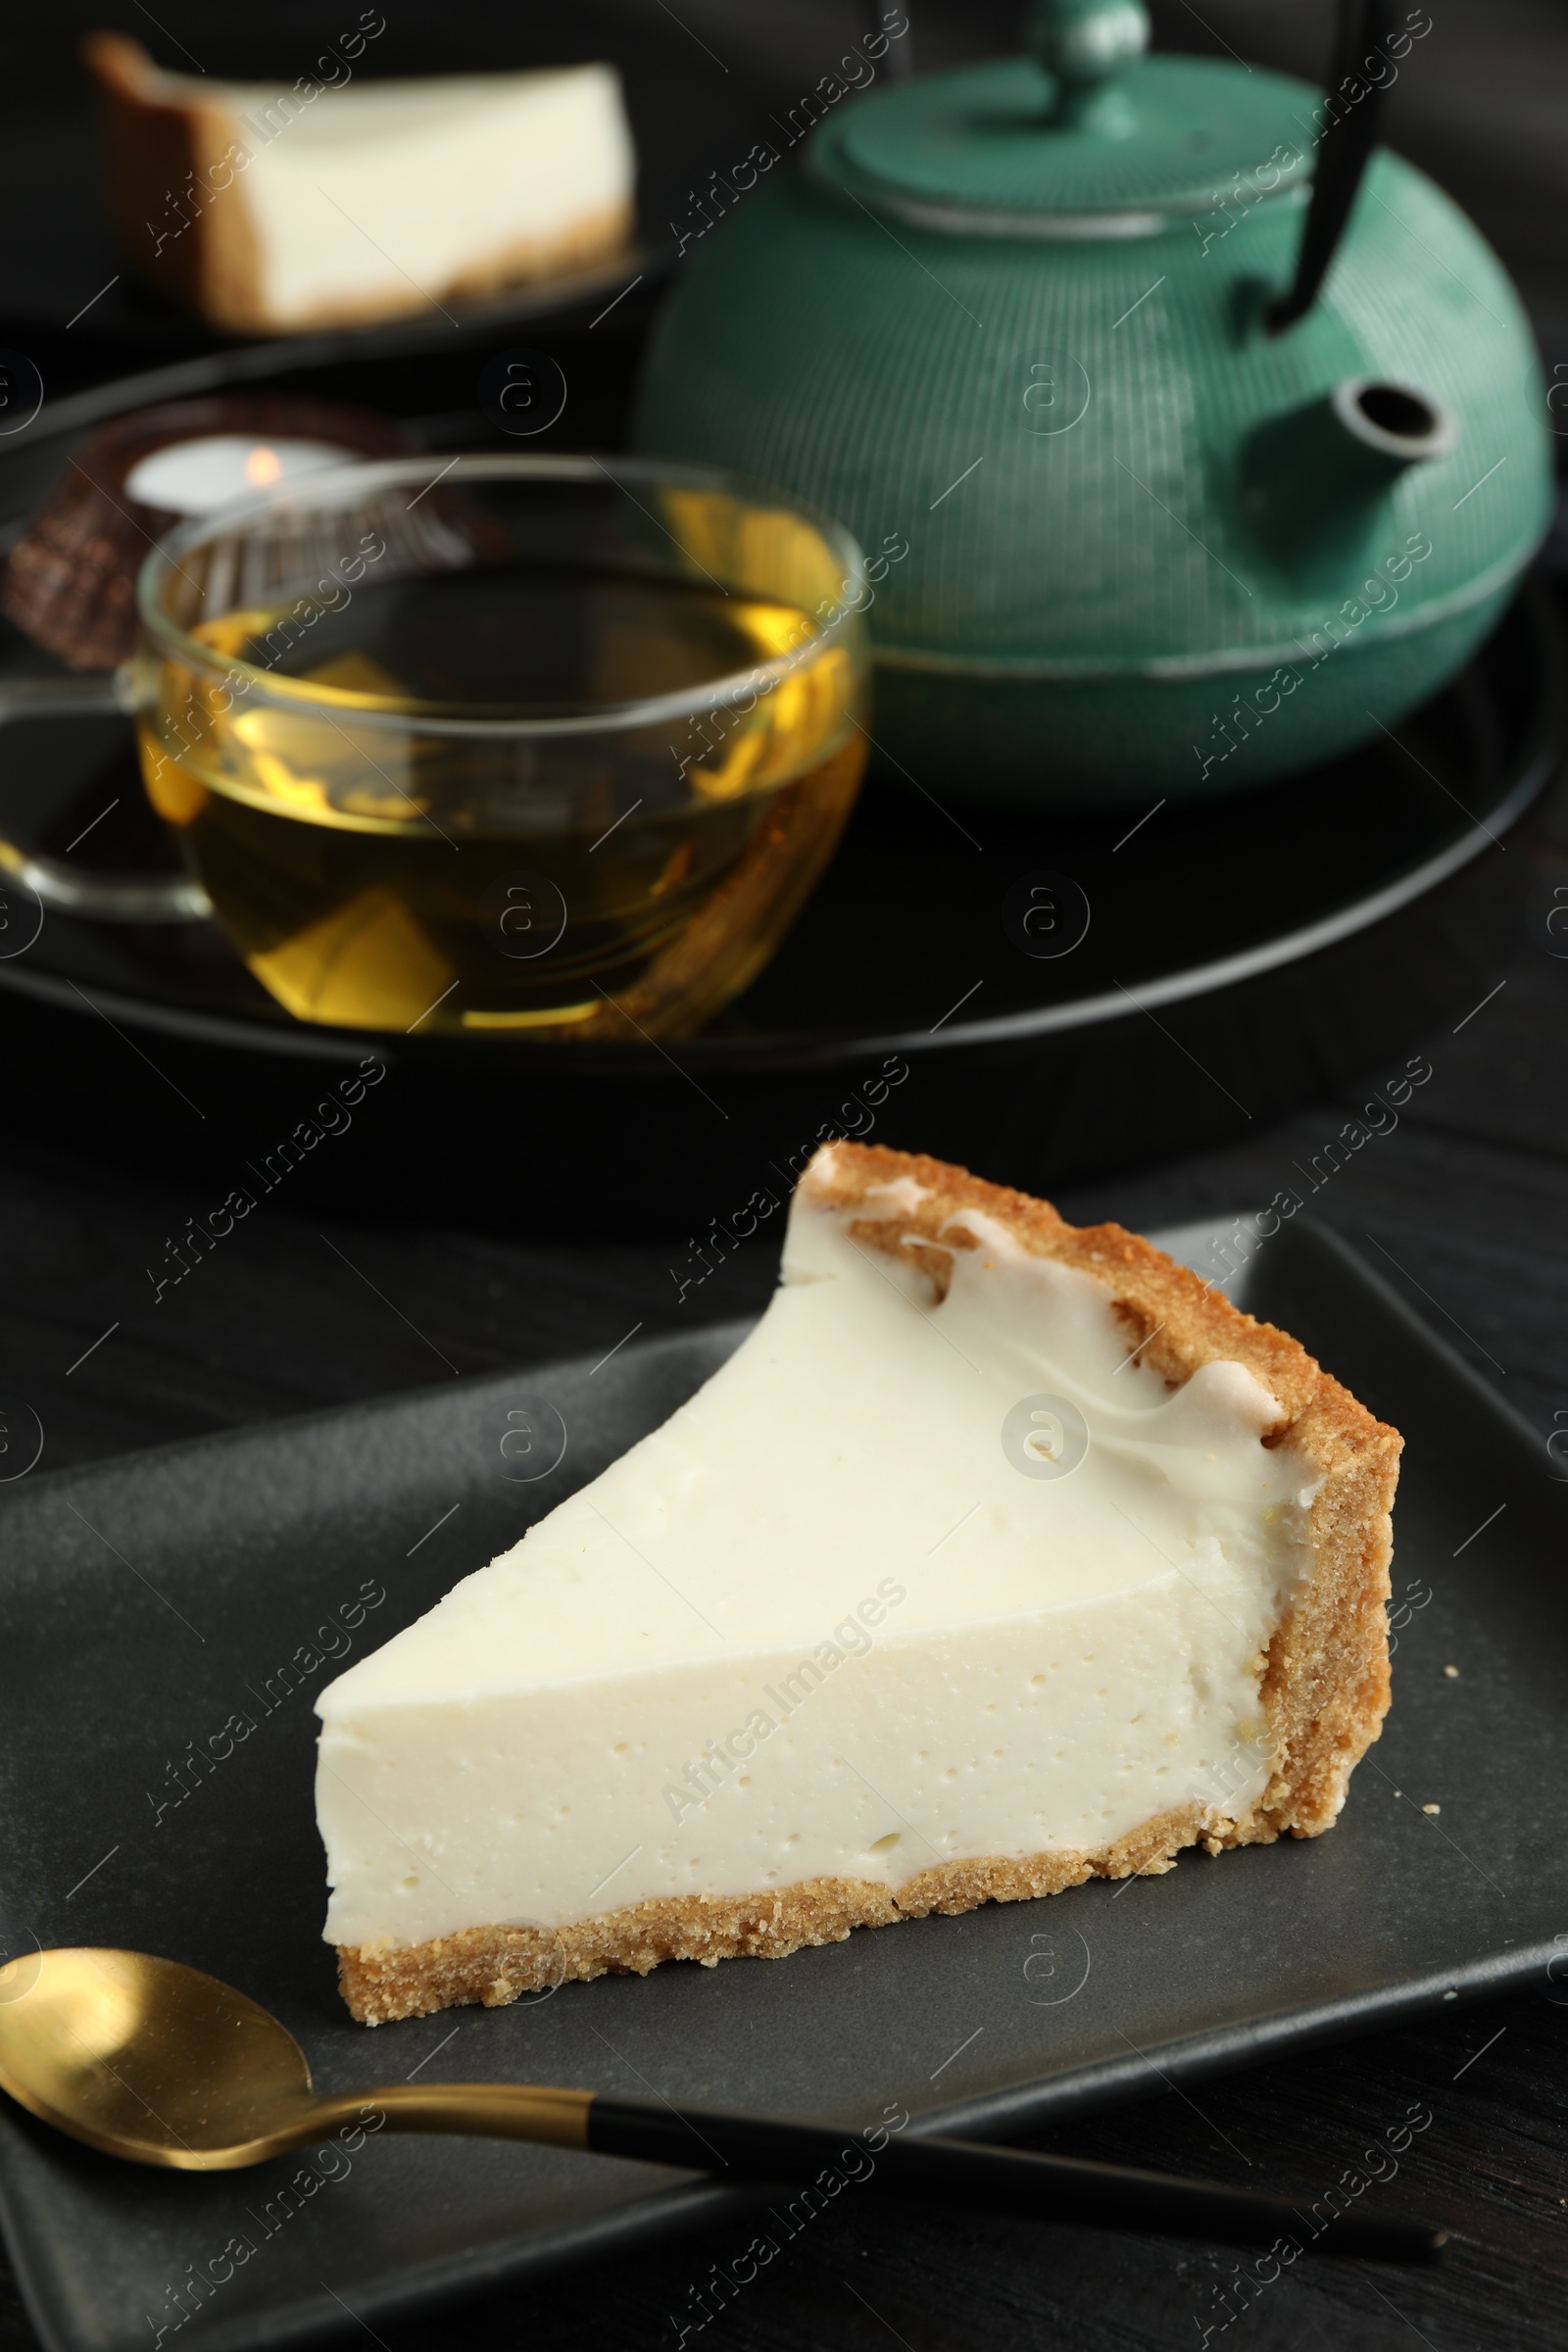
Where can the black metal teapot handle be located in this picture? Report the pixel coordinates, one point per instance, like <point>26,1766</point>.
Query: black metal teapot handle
<point>1345,149</point>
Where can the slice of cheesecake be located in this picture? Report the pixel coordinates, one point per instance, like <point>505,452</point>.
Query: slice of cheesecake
<point>339,200</point>
<point>1002,1554</point>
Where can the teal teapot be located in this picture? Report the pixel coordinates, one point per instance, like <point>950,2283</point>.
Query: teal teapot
<point>1192,436</point>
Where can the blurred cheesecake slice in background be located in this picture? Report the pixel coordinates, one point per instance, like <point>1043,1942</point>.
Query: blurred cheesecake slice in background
<point>273,207</point>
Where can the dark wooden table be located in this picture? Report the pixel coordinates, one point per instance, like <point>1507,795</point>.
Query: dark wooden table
<point>1471,1194</point>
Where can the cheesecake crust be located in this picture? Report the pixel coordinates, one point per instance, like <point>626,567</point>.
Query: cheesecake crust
<point>1325,1687</point>
<point>497,1966</point>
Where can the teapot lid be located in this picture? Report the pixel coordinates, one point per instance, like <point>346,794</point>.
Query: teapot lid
<point>1087,136</point>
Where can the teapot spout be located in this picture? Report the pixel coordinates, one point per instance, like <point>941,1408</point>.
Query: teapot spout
<point>1314,481</point>
<point>1387,427</point>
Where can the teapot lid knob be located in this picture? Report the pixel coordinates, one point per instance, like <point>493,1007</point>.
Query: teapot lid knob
<point>1083,44</point>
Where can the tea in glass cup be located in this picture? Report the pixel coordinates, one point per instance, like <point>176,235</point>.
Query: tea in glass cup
<point>555,745</point>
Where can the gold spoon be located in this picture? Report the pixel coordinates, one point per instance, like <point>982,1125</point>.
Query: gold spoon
<point>149,2059</point>
<point>154,2061</point>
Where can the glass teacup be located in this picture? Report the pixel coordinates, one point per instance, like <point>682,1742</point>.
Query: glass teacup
<point>554,745</point>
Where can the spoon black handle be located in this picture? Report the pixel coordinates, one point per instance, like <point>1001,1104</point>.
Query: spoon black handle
<point>959,2171</point>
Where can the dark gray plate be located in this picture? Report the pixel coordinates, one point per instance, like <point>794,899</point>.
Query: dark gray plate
<point>148,1600</point>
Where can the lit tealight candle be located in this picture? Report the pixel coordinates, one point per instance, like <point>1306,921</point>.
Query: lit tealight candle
<point>197,478</point>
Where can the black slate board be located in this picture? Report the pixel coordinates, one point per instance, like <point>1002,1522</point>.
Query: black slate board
<point>143,1597</point>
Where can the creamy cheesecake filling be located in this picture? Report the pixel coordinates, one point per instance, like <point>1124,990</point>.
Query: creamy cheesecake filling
<point>443,173</point>
<point>828,1622</point>
<point>363,197</point>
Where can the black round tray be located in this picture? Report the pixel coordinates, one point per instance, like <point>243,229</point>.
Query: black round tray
<point>1240,957</point>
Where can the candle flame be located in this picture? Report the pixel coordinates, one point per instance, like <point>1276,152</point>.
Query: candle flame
<point>262,465</point>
